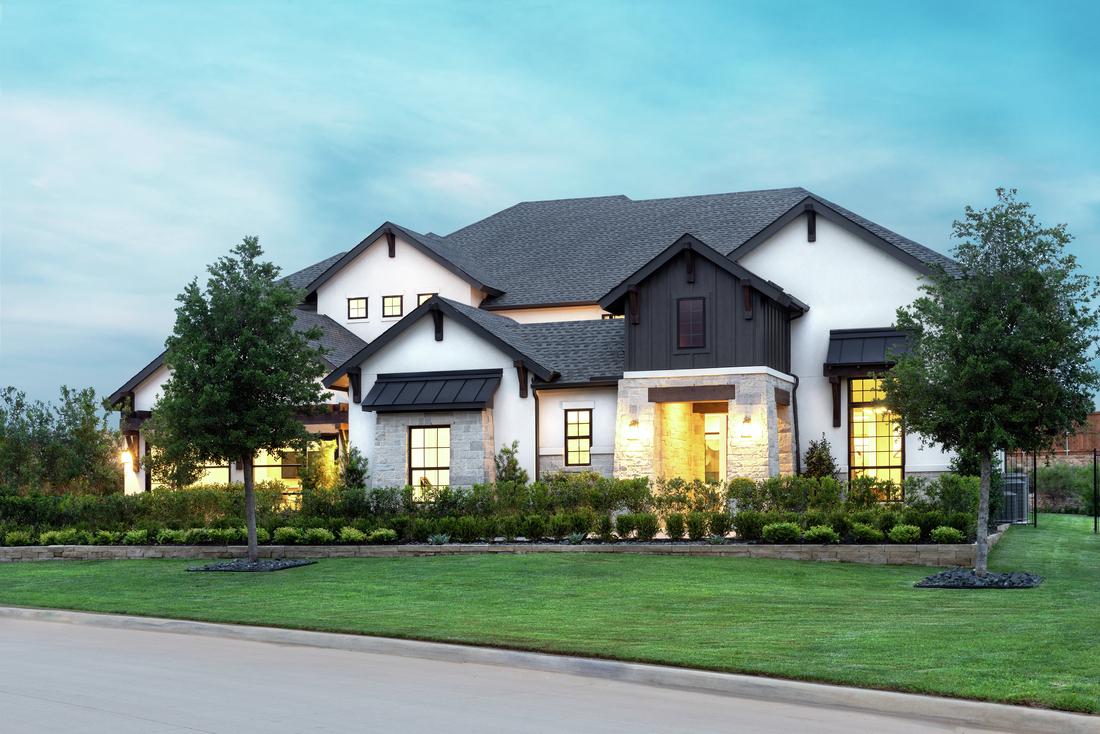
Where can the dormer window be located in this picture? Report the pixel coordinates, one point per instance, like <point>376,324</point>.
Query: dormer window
<point>392,307</point>
<point>691,323</point>
<point>357,308</point>
<point>421,298</point>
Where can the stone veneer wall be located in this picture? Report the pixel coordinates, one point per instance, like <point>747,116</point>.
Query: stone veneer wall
<point>601,464</point>
<point>472,446</point>
<point>665,442</point>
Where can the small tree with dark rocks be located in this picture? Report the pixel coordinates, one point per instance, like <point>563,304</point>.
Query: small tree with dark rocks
<point>999,353</point>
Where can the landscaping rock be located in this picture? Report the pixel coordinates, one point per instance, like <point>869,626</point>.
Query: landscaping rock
<point>262,564</point>
<point>965,578</point>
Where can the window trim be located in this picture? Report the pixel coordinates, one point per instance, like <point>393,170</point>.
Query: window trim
<point>400,307</point>
<point>701,347</point>
<point>420,298</point>
<point>851,414</point>
<point>366,308</point>
<point>409,450</point>
<point>566,436</point>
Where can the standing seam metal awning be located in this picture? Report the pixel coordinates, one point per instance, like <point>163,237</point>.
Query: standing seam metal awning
<point>427,391</point>
<point>855,351</point>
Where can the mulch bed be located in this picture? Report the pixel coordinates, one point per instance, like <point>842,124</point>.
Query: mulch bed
<point>246,566</point>
<point>965,578</point>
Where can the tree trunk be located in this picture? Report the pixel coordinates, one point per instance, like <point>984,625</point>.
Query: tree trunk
<point>981,557</point>
<point>250,508</point>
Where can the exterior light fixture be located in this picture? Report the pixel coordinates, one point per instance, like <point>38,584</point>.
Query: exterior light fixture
<point>633,431</point>
<point>125,457</point>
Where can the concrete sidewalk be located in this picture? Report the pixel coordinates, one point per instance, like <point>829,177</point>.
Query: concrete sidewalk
<point>120,674</point>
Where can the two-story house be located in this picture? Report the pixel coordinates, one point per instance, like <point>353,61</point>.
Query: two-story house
<point>703,337</point>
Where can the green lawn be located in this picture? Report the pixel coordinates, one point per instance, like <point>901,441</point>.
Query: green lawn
<point>851,624</point>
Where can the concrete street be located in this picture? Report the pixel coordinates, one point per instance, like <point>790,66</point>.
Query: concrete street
<point>74,678</point>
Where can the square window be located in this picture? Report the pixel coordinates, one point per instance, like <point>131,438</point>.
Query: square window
<point>691,323</point>
<point>392,306</point>
<point>357,308</point>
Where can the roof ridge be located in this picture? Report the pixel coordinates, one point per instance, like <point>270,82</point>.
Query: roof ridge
<point>720,193</point>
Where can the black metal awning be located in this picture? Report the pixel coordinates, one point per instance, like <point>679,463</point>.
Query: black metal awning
<point>424,391</point>
<point>855,352</point>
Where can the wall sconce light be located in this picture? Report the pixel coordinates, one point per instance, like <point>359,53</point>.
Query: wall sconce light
<point>748,428</point>
<point>633,431</point>
<point>125,457</point>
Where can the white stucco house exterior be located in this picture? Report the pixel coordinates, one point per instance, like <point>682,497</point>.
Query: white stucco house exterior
<point>705,337</point>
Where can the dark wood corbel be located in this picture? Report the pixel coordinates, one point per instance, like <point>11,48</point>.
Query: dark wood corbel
<point>437,318</point>
<point>391,242</point>
<point>811,223</point>
<point>632,305</point>
<point>521,373</point>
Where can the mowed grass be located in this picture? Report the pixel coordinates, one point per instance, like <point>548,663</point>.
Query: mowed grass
<point>839,623</point>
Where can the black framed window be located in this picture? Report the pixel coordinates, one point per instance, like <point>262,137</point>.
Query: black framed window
<point>357,308</point>
<point>578,437</point>
<point>691,323</point>
<point>610,316</point>
<point>291,465</point>
<point>422,297</point>
<point>392,306</point>
<point>429,456</point>
<point>876,442</point>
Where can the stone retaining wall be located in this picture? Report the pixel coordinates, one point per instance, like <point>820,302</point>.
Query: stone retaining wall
<point>905,555</point>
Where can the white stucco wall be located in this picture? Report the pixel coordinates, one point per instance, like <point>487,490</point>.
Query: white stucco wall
<point>374,274</point>
<point>552,313</point>
<point>416,350</point>
<point>848,284</point>
<point>552,406</point>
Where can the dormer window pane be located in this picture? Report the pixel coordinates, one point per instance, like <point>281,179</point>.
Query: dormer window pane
<point>691,323</point>
<point>391,306</point>
<point>357,308</point>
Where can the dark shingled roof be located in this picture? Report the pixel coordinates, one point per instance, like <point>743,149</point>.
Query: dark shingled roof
<point>305,276</point>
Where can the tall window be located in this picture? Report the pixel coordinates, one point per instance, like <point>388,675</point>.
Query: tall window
<point>714,440</point>
<point>391,306</point>
<point>876,443</point>
<point>578,437</point>
<point>357,308</point>
<point>429,456</point>
<point>422,297</point>
<point>691,323</point>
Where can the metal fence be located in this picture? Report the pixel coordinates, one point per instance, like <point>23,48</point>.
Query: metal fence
<point>1024,492</point>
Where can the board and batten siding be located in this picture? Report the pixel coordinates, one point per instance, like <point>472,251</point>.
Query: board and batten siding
<point>731,339</point>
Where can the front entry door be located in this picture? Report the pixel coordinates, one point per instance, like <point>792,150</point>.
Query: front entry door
<point>714,447</point>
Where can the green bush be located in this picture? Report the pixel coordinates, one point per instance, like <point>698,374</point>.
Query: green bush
<point>318,536</point>
<point>262,536</point>
<point>106,537</point>
<point>65,536</point>
<point>349,534</point>
<point>605,528</point>
<point>560,525</point>
<point>819,461</point>
<point>863,533</point>
<point>782,532</point>
<point>749,525</point>
<point>945,534</point>
<point>887,520</point>
<point>625,525</point>
<point>136,537</point>
<point>904,534</point>
<point>287,536</point>
<point>583,520</point>
<point>534,527</point>
<point>953,493</point>
<point>696,525</point>
<point>1066,488</point>
<point>821,534</point>
<point>646,525</point>
<point>719,523</point>
<point>675,527</point>
<point>746,495</point>
<point>19,537</point>
<point>167,536</point>
<point>382,536</point>
<point>510,526</point>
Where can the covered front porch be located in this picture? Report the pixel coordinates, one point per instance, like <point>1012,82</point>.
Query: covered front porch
<point>710,425</point>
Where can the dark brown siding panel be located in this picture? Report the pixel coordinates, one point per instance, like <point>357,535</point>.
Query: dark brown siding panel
<point>692,393</point>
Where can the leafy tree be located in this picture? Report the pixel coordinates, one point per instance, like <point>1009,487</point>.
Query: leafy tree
<point>354,469</point>
<point>507,465</point>
<point>819,459</point>
<point>999,356</point>
<point>239,371</point>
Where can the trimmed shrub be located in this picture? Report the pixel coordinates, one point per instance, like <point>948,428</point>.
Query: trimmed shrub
<point>67,536</point>
<point>625,525</point>
<point>19,537</point>
<point>675,527</point>
<point>467,529</point>
<point>560,525</point>
<point>945,534</point>
<point>287,536</point>
<point>646,525</point>
<point>865,517</point>
<point>318,536</point>
<point>136,537</point>
<point>696,525</point>
<point>749,524</point>
<point>510,526</point>
<point>582,521</point>
<point>745,495</point>
<point>105,537</point>
<point>605,528</point>
<point>352,535</point>
<point>719,523</point>
<point>904,534</point>
<point>782,532</point>
<point>887,520</point>
<point>534,527</point>
<point>863,533</point>
<point>167,536</point>
<point>821,534</point>
<point>381,536</point>
<point>262,536</point>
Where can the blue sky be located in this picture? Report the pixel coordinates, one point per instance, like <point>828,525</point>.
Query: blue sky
<point>140,140</point>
